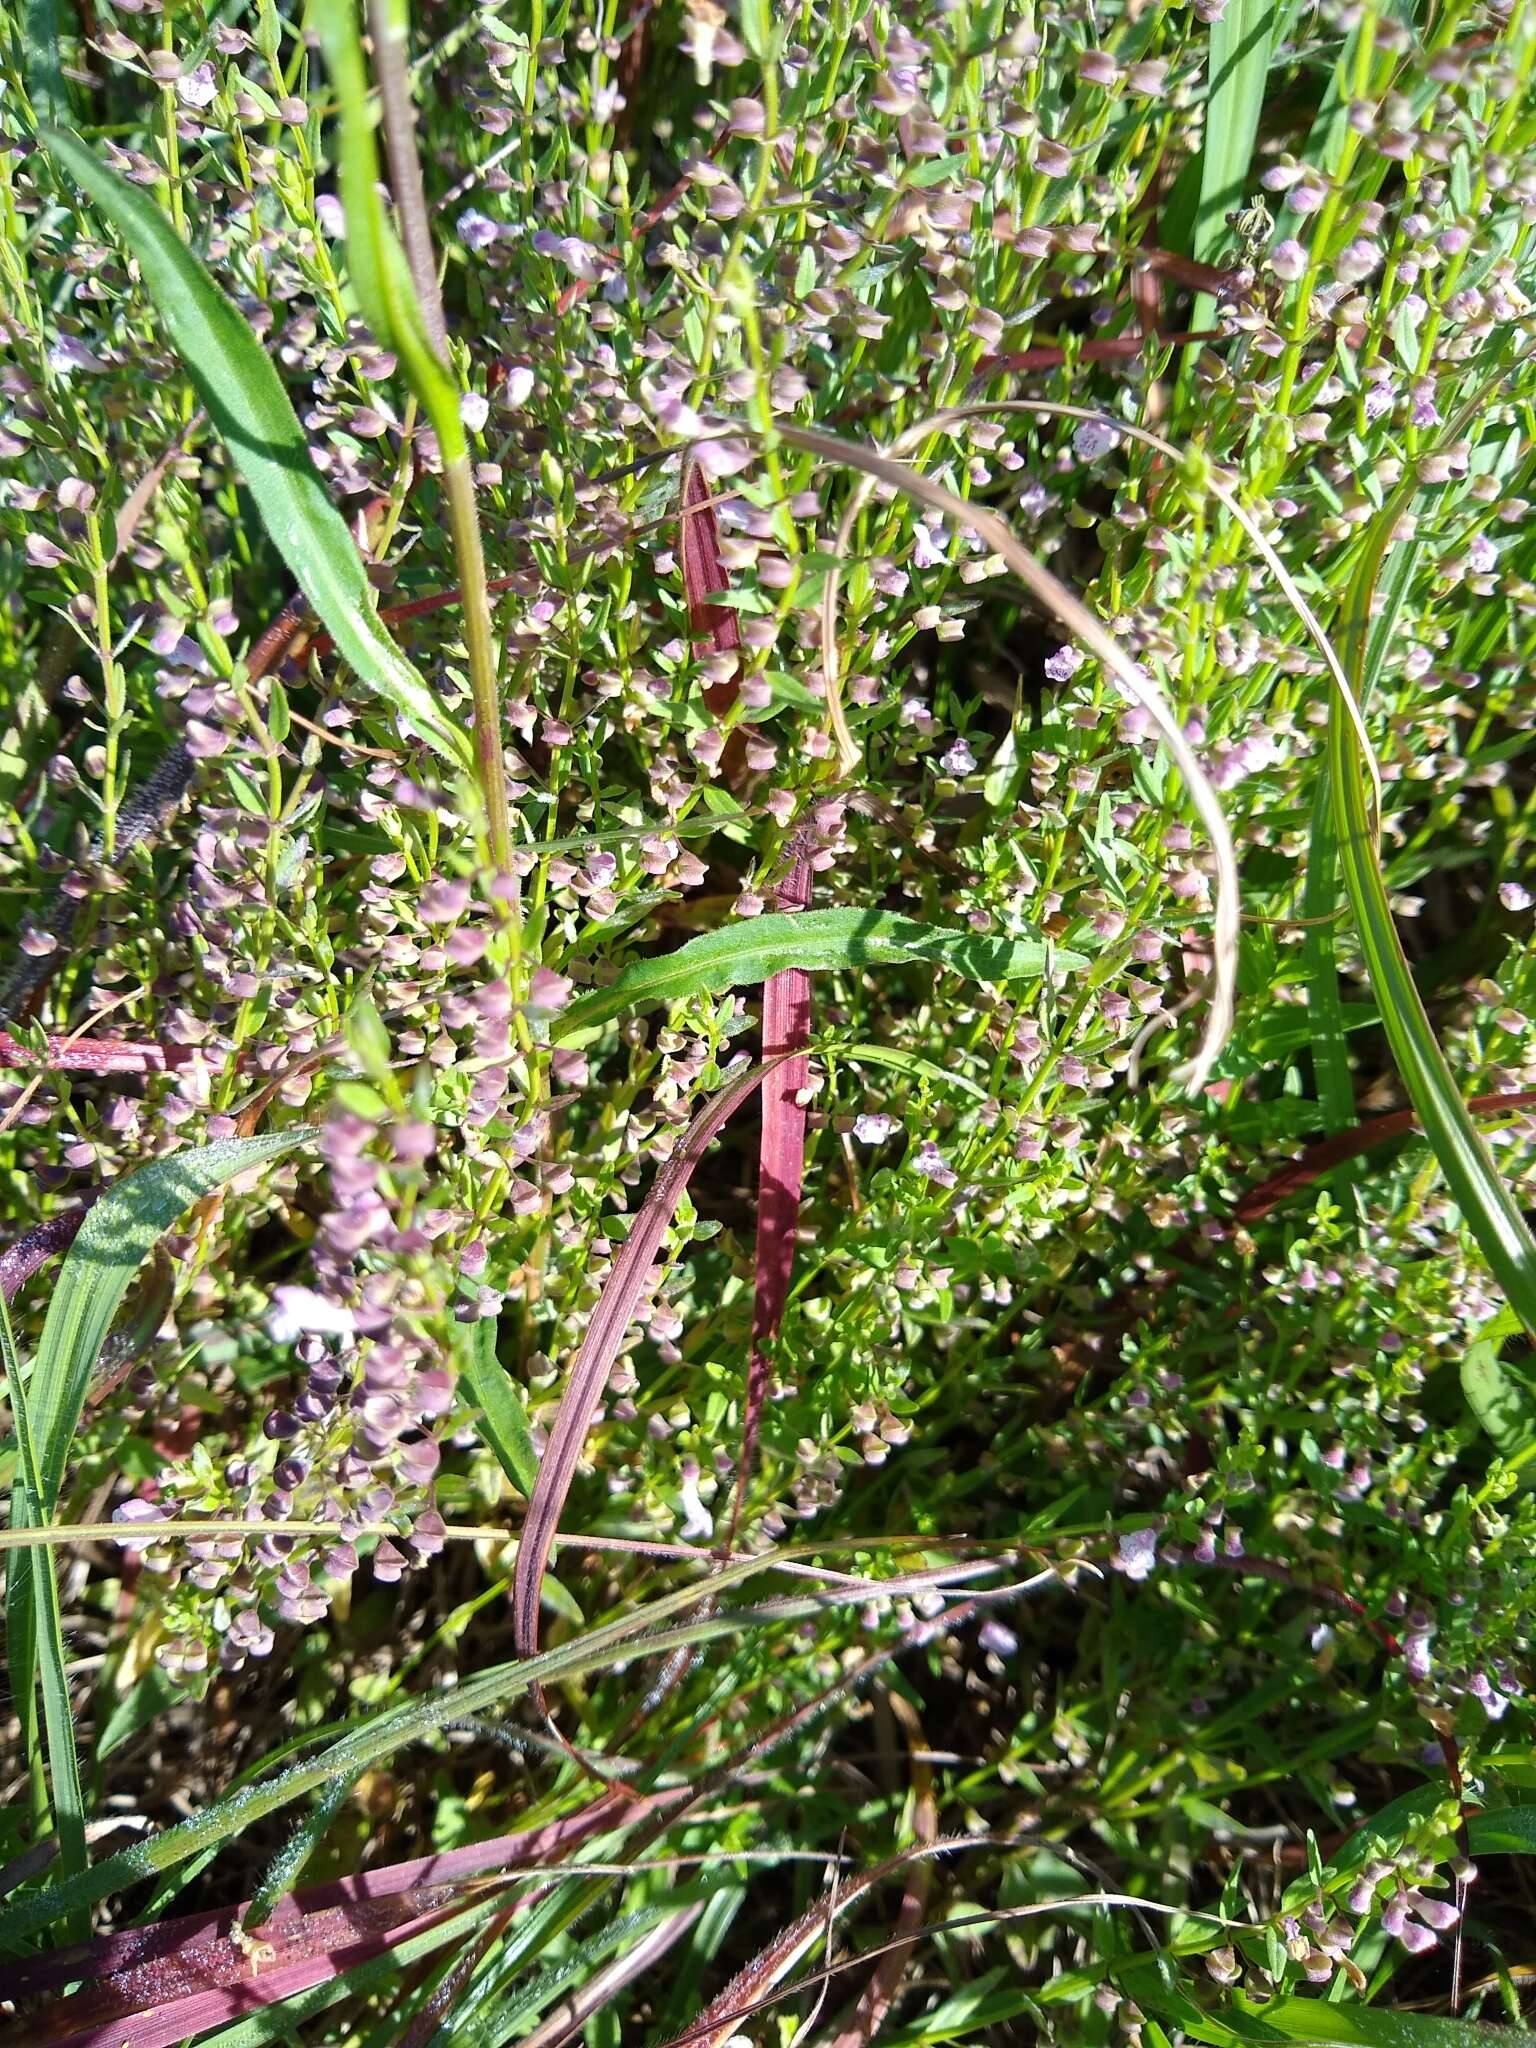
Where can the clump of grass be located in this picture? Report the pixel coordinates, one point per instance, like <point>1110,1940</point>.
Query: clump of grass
<point>874,1381</point>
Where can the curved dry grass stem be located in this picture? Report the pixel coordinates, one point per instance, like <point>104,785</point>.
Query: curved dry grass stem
<point>1076,619</point>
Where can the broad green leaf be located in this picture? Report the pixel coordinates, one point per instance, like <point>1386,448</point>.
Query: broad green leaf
<point>743,954</point>
<point>1386,1828</point>
<point>247,403</point>
<point>1511,1831</point>
<point>504,1419</point>
<point>1501,1397</point>
<point>376,262</point>
<point>45,24</point>
<point>1371,2026</point>
<point>117,1236</point>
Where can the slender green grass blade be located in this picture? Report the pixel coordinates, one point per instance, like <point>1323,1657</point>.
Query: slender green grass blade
<point>1370,2026</point>
<point>37,1589</point>
<point>1325,999</point>
<point>247,403</point>
<point>503,1417</point>
<point>382,1734</point>
<point>116,1237</point>
<point>743,954</point>
<point>288,1864</point>
<point>1242,41</point>
<point>1325,1003</point>
<point>1490,1210</point>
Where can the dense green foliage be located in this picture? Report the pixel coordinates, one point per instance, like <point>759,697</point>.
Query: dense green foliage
<point>1159,1445</point>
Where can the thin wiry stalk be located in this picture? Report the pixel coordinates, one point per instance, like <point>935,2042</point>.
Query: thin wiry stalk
<point>741,2001</point>
<point>389,22</point>
<point>389,27</point>
<point>605,1332</point>
<point>922,430</point>
<point>469,555</point>
<point>1076,619</point>
<point>879,1994</point>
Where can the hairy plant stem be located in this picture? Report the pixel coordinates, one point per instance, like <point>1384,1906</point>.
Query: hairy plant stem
<point>388,27</point>
<point>469,556</point>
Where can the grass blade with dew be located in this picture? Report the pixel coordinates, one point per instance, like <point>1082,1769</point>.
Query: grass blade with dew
<point>287,1866</point>
<point>585,2003</point>
<point>131,1965</point>
<point>752,1984</point>
<point>884,466</point>
<point>818,941</point>
<point>382,1734</point>
<point>1242,40</point>
<point>261,1998</point>
<point>118,1233</point>
<point>115,1237</point>
<point>245,399</point>
<point>610,1320</point>
<point>1488,1206</point>
<point>41,1635</point>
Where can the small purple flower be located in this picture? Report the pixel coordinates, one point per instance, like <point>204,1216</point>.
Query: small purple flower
<point>1093,440</point>
<point>1137,1554</point>
<point>931,1163</point>
<point>1416,1657</point>
<point>476,231</point>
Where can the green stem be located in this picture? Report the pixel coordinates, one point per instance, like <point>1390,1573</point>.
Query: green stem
<point>469,557</point>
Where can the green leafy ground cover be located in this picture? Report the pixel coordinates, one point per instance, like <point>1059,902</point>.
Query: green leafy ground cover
<point>1036,1500</point>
